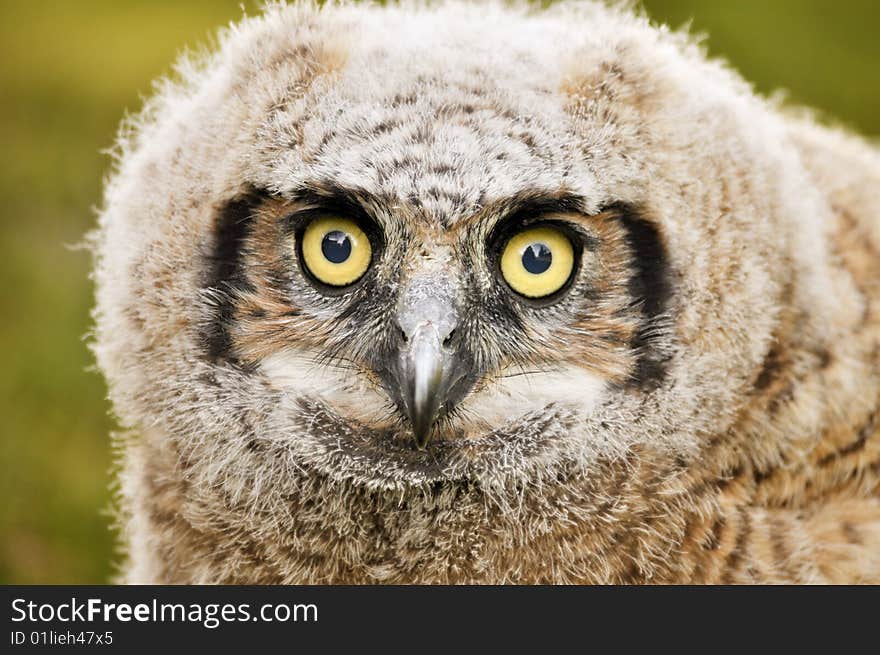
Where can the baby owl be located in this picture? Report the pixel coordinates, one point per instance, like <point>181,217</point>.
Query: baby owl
<point>478,293</point>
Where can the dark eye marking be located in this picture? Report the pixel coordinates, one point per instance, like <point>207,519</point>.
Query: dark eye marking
<point>224,274</point>
<point>650,287</point>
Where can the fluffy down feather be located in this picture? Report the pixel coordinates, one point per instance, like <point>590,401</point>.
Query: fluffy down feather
<point>752,454</point>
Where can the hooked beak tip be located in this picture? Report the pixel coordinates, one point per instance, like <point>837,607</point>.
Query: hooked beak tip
<point>425,372</point>
<point>422,437</point>
<point>423,411</point>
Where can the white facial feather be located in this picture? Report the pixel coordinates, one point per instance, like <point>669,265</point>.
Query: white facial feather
<point>516,393</point>
<point>299,373</point>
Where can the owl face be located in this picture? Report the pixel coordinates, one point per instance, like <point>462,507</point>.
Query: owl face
<point>427,327</point>
<point>399,247</point>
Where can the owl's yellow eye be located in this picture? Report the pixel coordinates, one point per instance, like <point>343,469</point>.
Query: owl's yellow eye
<point>537,262</point>
<point>336,251</point>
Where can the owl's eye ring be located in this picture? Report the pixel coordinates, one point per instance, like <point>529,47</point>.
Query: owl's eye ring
<point>335,251</point>
<point>538,262</point>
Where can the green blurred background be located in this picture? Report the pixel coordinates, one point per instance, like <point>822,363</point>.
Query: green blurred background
<point>68,73</point>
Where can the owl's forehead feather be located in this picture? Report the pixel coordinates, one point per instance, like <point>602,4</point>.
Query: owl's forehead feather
<point>453,111</point>
<point>446,156</point>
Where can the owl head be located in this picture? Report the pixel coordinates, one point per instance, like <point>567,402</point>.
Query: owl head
<point>420,247</point>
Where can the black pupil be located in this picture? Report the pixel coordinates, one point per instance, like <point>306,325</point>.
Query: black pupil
<point>537,258</point>
<point>336,246</point>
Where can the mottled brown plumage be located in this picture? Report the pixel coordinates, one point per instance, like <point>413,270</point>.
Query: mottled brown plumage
<point>701,402</point>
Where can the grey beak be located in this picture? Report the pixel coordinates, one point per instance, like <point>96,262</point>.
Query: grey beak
<point>427,369</point>
<point>426,376</point>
